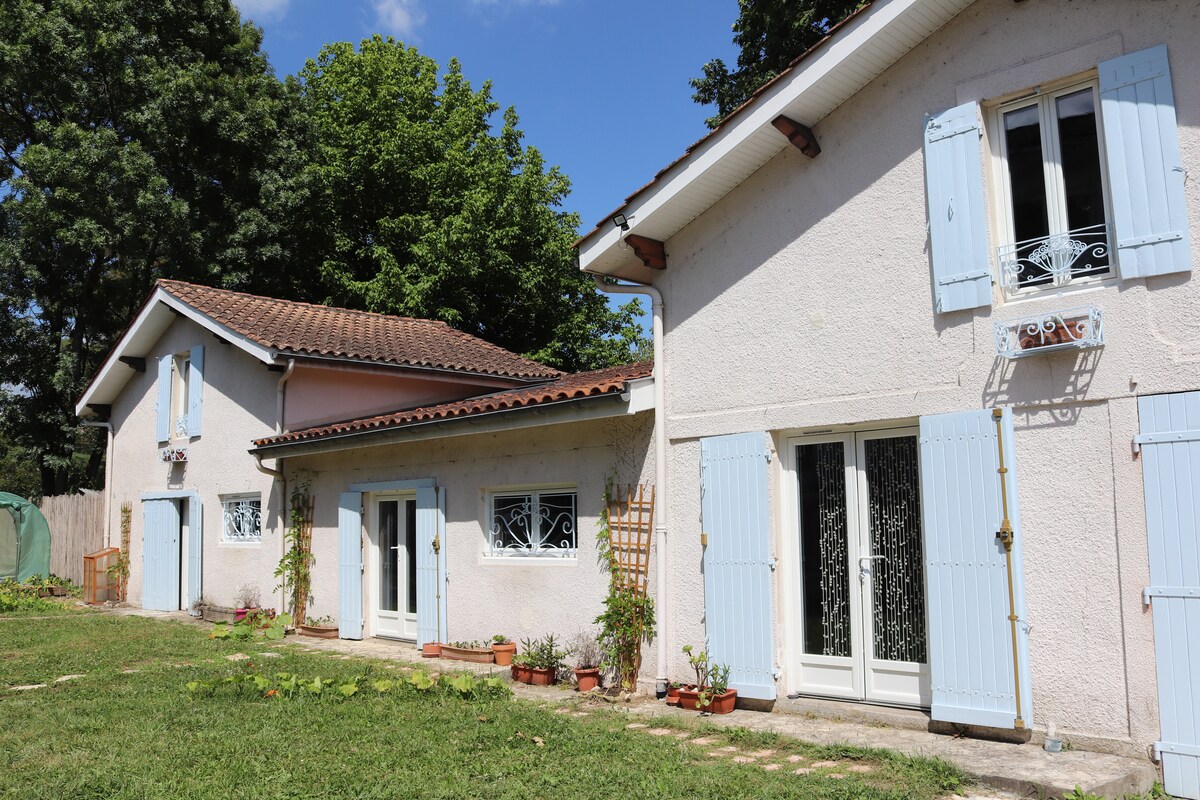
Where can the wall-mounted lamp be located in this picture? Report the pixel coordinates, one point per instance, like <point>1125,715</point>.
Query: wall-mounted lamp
<point>620,221</point>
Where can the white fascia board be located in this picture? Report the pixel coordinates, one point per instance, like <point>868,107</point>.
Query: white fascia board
<point>641,395</point>
<point>860,33</point>
<point>109,371</point>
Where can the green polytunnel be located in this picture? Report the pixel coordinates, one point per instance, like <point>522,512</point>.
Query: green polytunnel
<point>24,539</point>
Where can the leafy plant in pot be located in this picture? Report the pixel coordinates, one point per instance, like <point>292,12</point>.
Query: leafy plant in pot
<point>503,649</point>
<point>587,662</point>
<point>538,662</point>
<point>474,651</point>
<point>711,693</point>
<point>319,627</point>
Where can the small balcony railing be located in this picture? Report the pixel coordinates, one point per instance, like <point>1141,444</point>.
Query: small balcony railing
<point>1054,260</point>
<point>181,426</point>
<point>1070,329</point>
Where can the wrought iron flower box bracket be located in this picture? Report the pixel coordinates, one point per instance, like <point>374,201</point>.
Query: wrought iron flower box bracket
<point>1072,329</point>
<point>171,455</point>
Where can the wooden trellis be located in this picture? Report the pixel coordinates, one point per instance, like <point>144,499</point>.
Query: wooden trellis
<point>630,526</point>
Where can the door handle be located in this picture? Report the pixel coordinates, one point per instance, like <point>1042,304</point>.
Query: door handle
<point>864,565</point>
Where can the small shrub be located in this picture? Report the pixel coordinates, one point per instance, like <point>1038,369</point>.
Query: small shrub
<point>15,597</point>
<point>248,596</point>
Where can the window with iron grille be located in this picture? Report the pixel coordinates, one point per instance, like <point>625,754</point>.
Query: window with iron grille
<point>532,523</point>
<point>241,518</point>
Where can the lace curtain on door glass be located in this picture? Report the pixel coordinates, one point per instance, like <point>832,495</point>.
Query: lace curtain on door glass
<point>894,517</point>
<point>835,582</point>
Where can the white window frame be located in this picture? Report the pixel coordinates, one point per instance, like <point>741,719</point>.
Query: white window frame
<point>1004,232</point>
<point>532,553</point>
<point>232,500</point>
<point>181,368</point>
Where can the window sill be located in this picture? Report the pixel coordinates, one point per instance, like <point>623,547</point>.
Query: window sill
<point>1029,296</point>
<point>241,545</point>
<point>529,561</point>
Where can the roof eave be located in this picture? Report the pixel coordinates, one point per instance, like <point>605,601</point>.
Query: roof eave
<point>576,409</point>
<point>805,92</point>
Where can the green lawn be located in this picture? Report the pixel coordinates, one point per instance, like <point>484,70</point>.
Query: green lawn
<point>142,734</point>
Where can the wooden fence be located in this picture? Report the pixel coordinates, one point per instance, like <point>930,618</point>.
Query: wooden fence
<point>76,529</point>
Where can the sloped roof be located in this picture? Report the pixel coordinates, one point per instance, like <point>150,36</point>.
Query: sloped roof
<point>580,385</point>
<point>307,329</point>
<point>856,52</point>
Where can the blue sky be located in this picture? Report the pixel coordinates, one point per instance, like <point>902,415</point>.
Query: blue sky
<point>601,87</point>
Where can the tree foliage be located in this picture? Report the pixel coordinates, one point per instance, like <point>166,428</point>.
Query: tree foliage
<point>769,35</point>
<point>137,140</point>
<point>428,211</point>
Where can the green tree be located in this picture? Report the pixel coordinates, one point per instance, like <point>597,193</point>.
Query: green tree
<point>769,34</point>
<point>137,140</point>
<point>428,211</point>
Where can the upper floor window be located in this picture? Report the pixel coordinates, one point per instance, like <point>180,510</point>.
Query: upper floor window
<point>1053,206</point>
<point>180,395</point>
<point>180,378</point>
<point>535,523</point>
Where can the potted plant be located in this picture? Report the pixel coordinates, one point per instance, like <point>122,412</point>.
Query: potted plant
<point>431,650</point>
<point>477,652</point>
<point>673,693</point>
<point>247,600</point>
<point>711,692</point>
<point>319,627</point>
<point>538,662</point>
<point>587,662</point>
<point>503,649</point>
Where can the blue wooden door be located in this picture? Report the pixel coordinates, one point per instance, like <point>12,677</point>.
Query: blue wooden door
<point>738,611</point>
<point>350,580</point>
<point>1170,453</point>
<point>970,636</point>
<point>160,555</point>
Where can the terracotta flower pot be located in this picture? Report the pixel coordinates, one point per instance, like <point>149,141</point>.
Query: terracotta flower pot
<point>522,674</point>
<point>468,654</point>
<point>318,631</point>
<point>431,650</point>
<point>672,695</point>
<point>504,653</point>
<point>587,679</point>
<point>689,698</point>
<point>542,677</point>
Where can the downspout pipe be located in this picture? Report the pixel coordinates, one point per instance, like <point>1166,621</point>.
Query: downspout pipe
<point>660,467</point>
<point>280,405</point>
<point>108,473</point>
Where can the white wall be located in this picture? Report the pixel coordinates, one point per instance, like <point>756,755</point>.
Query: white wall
<point>803,300</point>
<point>239,406</point>
<point>521,598</point>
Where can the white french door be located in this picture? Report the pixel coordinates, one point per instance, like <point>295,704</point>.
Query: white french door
<point>392,566</point>
<point>860,588</point>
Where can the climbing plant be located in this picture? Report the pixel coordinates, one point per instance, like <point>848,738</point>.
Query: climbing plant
<point>628,616</point>
<point>295,566</point>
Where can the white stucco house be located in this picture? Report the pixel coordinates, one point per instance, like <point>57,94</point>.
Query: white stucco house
<point>924,417</point>
<point>954,236</point>
<point>407,431</point>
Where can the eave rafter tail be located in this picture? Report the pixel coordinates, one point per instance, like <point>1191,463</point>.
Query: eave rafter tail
<point>798,134</point>
<point>650,251</point>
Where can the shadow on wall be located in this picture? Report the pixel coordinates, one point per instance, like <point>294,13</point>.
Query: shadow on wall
<point>1035,380</point>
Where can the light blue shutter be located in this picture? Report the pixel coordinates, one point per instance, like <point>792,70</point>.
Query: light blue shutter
<point>970,638</point>
<point>958,236</point>
<point>1145,168</point>
<point>162,427</point>
<point>350,578</point>
<point>431,595</point>
<point>195,398</point>
<point>1170,452</point>
<point>195,554</point>
<point>738,612</point>
<point>160,555</point>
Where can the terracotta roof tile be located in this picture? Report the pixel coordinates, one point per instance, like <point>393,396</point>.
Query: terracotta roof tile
<point>569,387</point>
<point>307,329</point>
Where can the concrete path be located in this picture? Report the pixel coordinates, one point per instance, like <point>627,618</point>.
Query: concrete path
<point>1020,769</point>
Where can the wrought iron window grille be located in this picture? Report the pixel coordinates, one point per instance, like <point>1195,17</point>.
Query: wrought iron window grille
<point>1054,261</point>
<point>539,524</point>
<point>241,519</point>
<point>181,426</point>
<point>1071,329</point>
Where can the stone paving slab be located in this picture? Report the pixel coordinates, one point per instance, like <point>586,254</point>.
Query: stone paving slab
<point>1020,769</point>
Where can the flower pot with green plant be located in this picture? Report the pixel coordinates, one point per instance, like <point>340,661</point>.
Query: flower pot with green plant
<point>431,650</point>
<point>539,661</point>
<point>673,688</point>
<point>474,651</point>
<point>319,627</point>
<point>587,662</point>
<point>503,649</point>
<point>711,693</point>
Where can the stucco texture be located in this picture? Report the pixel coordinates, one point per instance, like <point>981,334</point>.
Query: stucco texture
<point>518,597</point>
<point>239,405</point>
<point>802,301</point>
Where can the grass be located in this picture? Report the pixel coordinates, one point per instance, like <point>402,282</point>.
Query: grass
<point>118,734</point>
